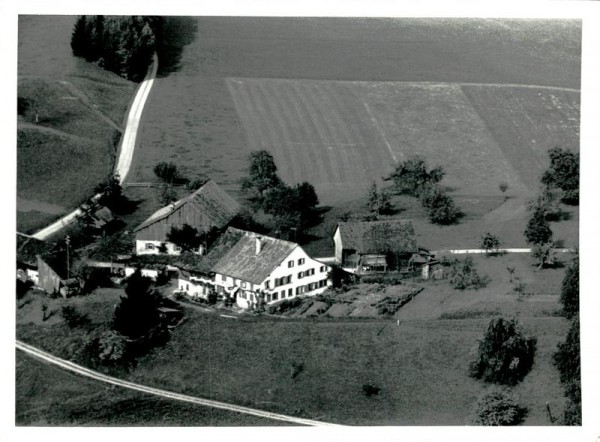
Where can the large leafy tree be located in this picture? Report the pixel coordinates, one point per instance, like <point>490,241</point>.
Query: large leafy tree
<point>568,361</point>
<point>136,315</point>
<point>563,173</point>
<point>505,354</point>
<point>569,294</point>
<point>262,173</point>
<point>412,176</point>
<point>440,206</point>
<point>538,230</point>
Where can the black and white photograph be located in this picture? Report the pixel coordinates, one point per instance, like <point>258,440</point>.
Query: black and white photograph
<point>256,221</point>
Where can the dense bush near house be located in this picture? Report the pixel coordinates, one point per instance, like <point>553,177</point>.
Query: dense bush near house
<point>73,317</point>
<point>498,407</point>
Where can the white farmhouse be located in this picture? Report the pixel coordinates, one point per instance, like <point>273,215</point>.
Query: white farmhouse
<point>262,266</point>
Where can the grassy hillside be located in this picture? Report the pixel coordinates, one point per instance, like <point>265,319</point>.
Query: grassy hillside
<point>49,396</point>
<point>420,365</point>
<point>80,110</point>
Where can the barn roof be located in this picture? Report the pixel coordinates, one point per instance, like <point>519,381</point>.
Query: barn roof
<point>378,236</point>
<point>242,261</point>
<point>212,201</point>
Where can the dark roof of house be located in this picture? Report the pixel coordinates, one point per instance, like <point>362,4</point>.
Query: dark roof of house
<point>242,261</point>
<point>378,236</point>
<point>212,201</point>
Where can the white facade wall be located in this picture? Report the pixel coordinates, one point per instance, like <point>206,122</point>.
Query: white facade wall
<point>245,296</point>
<point>337,240</point>
<point>144,247</point>
<point>195,287</point>
<point>149,273</point>
<point>34,276</point>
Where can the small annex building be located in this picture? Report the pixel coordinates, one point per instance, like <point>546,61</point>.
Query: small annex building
<point>377,246</point>
<point>208,207</point>
<point>262,268</point>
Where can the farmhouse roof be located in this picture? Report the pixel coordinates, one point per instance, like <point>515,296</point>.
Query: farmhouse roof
<point>378,236</point>
<point>210,199</point>
<point>243,262</point>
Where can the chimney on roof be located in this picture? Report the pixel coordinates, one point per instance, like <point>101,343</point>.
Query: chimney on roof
<point>258,244</point>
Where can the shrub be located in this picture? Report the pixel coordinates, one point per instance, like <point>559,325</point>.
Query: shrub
<point>503,187</point>
<point>568,362</point>
<point>23,287</point>
<point>538,230</point>
<point>166,171</point>
<point>504,354</point>
<point>569,293</point>
<point>498,407</point>
<point>490,242</point>
<point>439,206</point>
<point>464,275</point>
<point>370,390</point>
<point>73,317</point>
<point>111,347</point>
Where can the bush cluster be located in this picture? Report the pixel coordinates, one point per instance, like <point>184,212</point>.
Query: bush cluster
<point>498,407</point>
<point>504,355</point>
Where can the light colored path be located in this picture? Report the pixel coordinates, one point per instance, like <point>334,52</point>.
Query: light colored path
<point>67,365</point>
<point>477,251</point>
<point>126,148</point>
<point>127,144</point>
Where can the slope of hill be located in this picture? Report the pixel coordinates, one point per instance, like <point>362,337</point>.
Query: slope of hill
<point>69,122</point>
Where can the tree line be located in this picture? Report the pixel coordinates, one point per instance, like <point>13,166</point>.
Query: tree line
<point>120,44</point>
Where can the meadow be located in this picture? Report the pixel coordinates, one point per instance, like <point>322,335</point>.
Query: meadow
<point>316,368</point>
<point>80,109</point>
<point>339,101</point>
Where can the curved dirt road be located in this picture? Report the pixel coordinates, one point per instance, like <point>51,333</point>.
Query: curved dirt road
<point>67,365</point>
<point>126,148</point>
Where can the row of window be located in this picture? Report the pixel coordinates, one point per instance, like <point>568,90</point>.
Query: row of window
<point>291,262</point>
<point>288,279</point>
<point>299,290</point>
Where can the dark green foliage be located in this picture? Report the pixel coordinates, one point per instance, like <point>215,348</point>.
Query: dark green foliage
<point>120,44</point>
<point>186,237</point>
<point>379,202</point>
<point>94,278</point>
<point>544,255</point>
<point>498,407</point>
<point>108,247</point>
<point>168,195</point>
<point>370,390</point>
<point>505,354</point>
<point>439,206</point>
<point>73,317</point>
<point>568,361</point>
<point>490,242</point>
<point>284,306</point>
<point>197,183</point>
<point>569,293</point>
<point>262,172</point>
<point>167,172</point>
<point>464,275</point>
<point>212,297</point>
<point>23,105</point>
<point>292,208</point>
<point>503,187</point>
<point>340,277</point>
<point>23,287</point>
<point>538,230</point>
<point>112,192</point>
<point>137,314</point>
<point>412,177</point>
<point>572,413</point>
<point>563,173</point>
<point>105,348</point>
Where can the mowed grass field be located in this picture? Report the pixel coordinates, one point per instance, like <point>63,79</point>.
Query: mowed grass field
<point>62,157</point>
<point>339,101</point>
